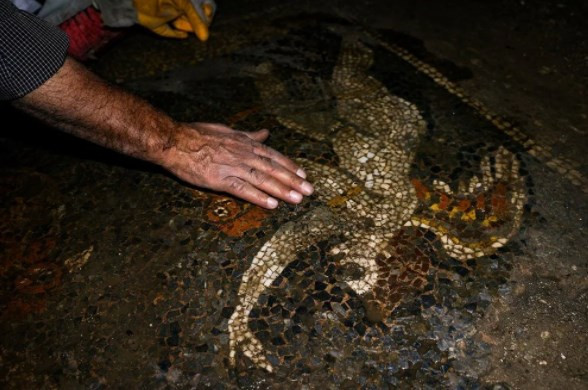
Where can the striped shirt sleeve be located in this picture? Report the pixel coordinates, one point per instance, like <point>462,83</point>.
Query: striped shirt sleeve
<point>31,51</point>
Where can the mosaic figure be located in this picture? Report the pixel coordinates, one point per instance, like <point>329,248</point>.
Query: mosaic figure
<point>370,198</point>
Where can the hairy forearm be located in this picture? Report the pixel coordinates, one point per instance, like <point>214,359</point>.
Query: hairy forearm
<point>204,154</point>
<point>76,101</point>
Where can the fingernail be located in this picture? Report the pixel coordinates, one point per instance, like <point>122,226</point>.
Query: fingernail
<point>301,173</point>
<point>295,196</point>
<point>307,188</point>
<point>272,203</point>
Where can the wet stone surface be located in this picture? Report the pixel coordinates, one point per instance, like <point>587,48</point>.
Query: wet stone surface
<point>114,274</point>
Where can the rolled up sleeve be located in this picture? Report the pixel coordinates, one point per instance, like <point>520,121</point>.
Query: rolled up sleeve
<point>31,51</point>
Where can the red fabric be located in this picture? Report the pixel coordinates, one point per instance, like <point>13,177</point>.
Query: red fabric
<point>86,33</point>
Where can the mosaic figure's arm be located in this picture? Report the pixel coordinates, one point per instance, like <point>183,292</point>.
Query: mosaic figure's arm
<point>495,203</point>
<point>311,117</point>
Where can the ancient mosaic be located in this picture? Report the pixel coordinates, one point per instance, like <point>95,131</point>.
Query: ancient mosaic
<point>369,198</point>
<point>376,280</point>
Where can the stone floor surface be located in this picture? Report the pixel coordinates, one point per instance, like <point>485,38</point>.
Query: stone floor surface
<point>443,247</point>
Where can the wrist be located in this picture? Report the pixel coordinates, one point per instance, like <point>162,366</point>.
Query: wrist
<point>163,142</point>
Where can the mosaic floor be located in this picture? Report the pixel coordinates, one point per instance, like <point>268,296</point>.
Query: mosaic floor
<point>114,274</point>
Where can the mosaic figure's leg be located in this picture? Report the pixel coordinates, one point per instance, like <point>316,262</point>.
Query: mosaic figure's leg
<point>362,250</point>
<point>266,266</point>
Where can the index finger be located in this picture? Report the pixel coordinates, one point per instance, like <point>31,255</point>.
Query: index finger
<point>265,151</point>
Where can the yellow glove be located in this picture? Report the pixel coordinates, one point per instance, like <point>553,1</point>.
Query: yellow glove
<point>186,15</point>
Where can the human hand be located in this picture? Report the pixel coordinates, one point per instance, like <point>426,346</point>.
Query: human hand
<point>187,16</point>
<point>204,154</point>
<point>217,157</point>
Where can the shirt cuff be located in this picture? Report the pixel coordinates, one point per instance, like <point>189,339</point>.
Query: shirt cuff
<point>31,52</point>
